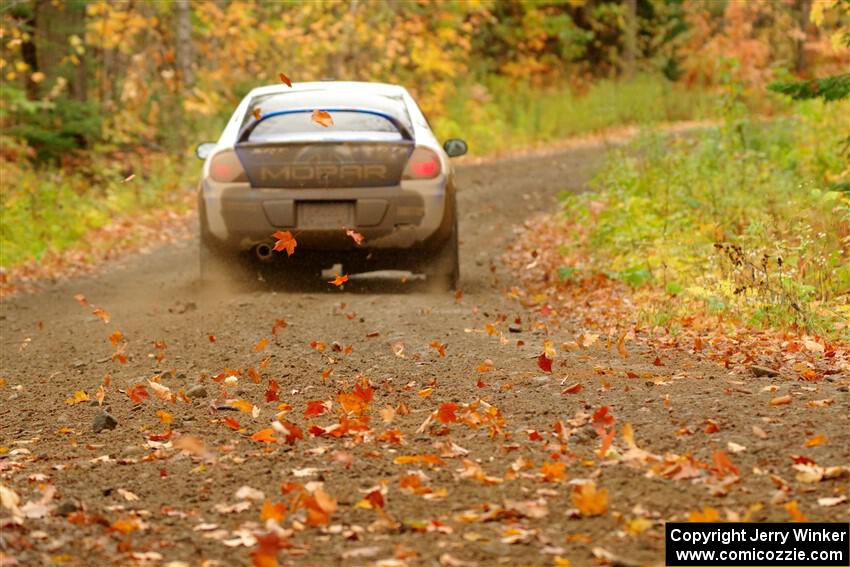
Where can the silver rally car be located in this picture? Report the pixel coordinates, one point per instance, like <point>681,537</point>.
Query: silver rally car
<point>377,170</point>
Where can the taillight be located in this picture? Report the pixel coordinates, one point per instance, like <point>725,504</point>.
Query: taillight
<point>226,168</point>
<point>423,164</point>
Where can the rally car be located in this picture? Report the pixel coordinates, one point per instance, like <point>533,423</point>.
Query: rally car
<point>351,170</point>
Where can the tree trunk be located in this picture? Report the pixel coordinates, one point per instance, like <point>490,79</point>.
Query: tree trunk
<point>29,53</point>
<point>184,42</point>
<point>77,26</point>
<point>801,63</point>
<point>630,38</point>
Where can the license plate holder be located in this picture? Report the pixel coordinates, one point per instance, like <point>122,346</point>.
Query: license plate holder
<point>325,215</point>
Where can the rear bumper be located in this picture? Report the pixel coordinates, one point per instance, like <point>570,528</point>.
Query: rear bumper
<point>415,214</point>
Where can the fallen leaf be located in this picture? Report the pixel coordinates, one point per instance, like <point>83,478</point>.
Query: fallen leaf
<point>278,325</point>
<point>116,338</point>
<point>272,511</point>
<point>794,512</point>
<point>263,343</point>
<point>446,413</point>
<point>138,393</point>
<point>439,347</point>
<point>339,280</point>
<point>708,514</point>
<point>781,400</point>
<point>258,114</point>
<point>589,500</point>
<point>832,501</point>
<point>545,363</point>
<point>191,444</point>
<point>272,391</point>
<point>265,436</point>
<point>815,441</point>
<point>322,118</point>
<point>573,389</point>
<point>101,314</point>
<point>285,80</point>
<point>355,236</point>
<point>553,472</point>
<point>79,396</point>
<point>284,241</point>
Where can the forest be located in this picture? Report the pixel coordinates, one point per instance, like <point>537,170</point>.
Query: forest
<point>648,319</point>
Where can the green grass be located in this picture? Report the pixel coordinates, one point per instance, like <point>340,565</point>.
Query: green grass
<point>53,209</point>
<point>501,115</point>
<point>741,219</point>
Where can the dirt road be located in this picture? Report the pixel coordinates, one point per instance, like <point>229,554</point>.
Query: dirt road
<point>498,496</point>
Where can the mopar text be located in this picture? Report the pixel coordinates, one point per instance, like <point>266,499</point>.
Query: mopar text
<point>306,172</point>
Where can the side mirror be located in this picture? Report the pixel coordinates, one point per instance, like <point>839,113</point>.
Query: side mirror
<point>204,150</point>
<point>455,147</point>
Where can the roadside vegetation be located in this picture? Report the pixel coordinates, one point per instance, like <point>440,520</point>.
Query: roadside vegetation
<point>745,225</point>
<point>744,220</point>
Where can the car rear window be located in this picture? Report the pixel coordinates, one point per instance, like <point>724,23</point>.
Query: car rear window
<point>283,125</point>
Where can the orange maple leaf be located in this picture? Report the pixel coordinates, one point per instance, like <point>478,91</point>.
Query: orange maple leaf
<point>724,465</point>
<point>101,314</point>
<point>446,413</point>
<point>285,80</point>
<point>263,343</point>
<point>232,423</point>
<point>272,511</point>
<point>272,391</point>
<point>315,408</point>
<point>81,299</point>
<point>284,241</point>
<point>257,113</point>
<point>265,436</point>
<point>322,118</point>
<point>553,472</point>
<point>589,500</point>
<point>339,280</point>
<point>116,337</point>
<point>138,393</point>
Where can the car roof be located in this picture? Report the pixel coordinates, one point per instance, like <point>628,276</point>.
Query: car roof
<point>385,89</point>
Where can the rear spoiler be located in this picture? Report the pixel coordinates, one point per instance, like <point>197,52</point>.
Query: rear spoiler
<point>245,133</point>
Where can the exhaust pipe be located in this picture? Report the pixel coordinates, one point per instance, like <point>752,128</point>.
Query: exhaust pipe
<point>264,252</point>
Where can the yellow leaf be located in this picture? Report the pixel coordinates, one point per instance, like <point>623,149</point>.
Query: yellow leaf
<point>637,526</point>
<point>164,417</point>
<point>79,396</point>
<point>242,405</point>
<point>708,514</point>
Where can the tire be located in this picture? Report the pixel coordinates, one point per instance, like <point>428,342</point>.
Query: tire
<point>442,267</point>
